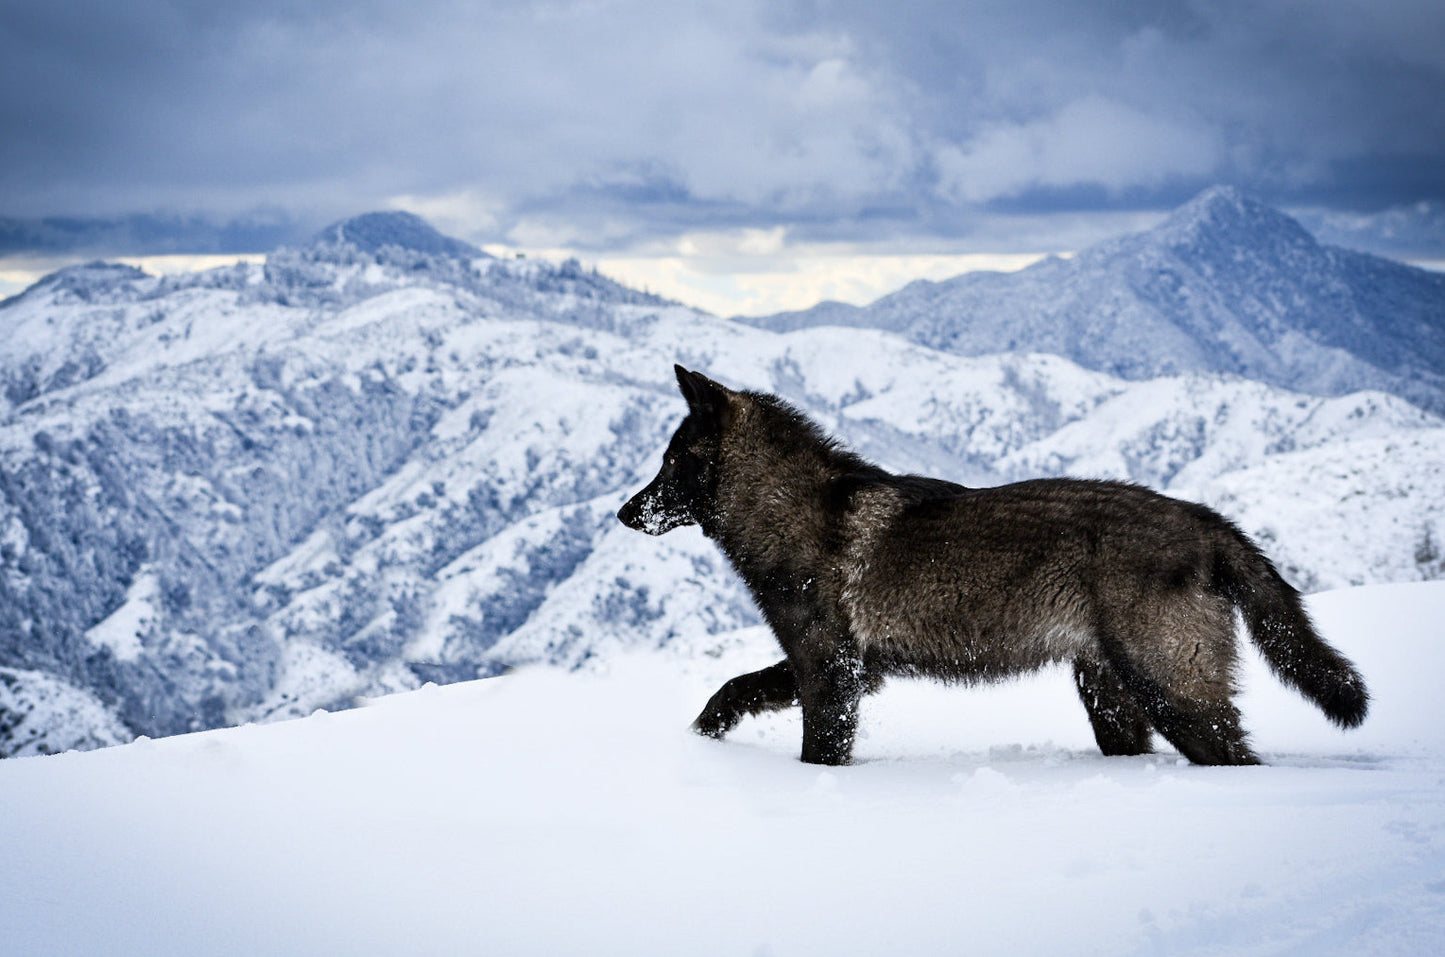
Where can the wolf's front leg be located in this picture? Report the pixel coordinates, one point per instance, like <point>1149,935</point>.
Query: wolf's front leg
<point>830,691</point>
<point>772,689</point>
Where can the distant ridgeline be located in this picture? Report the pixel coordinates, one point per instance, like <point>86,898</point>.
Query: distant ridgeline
<point>1225,284</point>
<point>385,458</point>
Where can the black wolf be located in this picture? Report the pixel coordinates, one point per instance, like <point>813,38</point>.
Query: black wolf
<point>863,574</point>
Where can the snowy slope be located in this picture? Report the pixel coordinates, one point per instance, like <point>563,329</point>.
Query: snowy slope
<point>547,812</point>
<point>384,459</point>
<point>1226,284</point>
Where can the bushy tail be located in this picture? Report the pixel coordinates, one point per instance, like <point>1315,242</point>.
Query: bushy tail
<point>1283,632</point>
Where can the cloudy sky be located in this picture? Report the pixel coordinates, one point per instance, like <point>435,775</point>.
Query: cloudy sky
<point>731,138</point>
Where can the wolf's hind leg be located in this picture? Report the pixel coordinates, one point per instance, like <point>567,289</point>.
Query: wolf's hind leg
<point>1191,706</point>
<point>771,689</point>
<point>1204,732</point>
<point>1120,724</point>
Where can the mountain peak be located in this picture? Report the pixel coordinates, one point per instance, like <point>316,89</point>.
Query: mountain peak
<point>97,270</point>
<point>86,279</point>
<point>1220,197</point>
<point>1227,214</point>
<point>371,232</point>
<point>1225,284</point>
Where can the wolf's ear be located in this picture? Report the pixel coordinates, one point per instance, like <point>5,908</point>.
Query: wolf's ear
<point>704,397</point>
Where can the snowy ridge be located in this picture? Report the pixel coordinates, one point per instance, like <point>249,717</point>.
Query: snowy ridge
<point>1226,284</point>
<point>372,463</point>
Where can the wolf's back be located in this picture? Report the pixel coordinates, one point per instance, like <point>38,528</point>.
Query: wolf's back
<point>1282,630</point>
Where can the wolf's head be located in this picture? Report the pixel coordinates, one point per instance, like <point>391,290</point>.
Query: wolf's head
<point>685,490</point>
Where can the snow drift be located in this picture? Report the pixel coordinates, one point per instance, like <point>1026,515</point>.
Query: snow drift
<point>550,812</point>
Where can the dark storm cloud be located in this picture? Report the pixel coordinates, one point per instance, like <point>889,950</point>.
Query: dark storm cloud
<point>600,122</point>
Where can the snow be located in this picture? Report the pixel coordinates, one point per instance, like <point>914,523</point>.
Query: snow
<point>121,631</point>
<point>311,677</point>
<point>551,812</point>
<point>42,714</point>
<point>1368,482</point>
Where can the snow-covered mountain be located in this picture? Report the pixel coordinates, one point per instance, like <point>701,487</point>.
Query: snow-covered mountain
<point>1225,284</point>
<point>385,458</point>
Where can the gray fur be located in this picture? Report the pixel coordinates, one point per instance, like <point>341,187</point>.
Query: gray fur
<point>862,574</point>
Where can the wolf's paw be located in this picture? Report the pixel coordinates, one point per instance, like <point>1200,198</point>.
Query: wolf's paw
<point>714,723</point>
